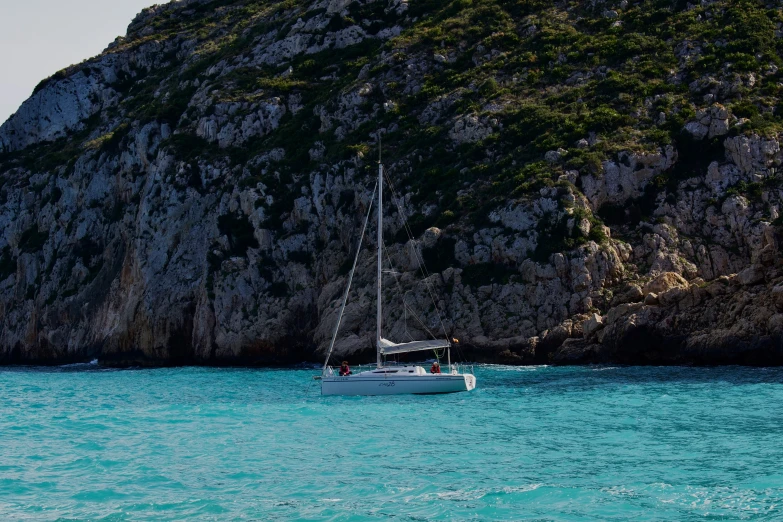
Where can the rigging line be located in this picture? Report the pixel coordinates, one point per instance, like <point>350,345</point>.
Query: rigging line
<point>421,323</point>
<point>402,292</point>
<point>399,289</point>
<point>405,313</point>
<point>350,280</point>
<point>406,226</point>
<point>408,308</point>
<point>422,266</point>
<point>408,230</point>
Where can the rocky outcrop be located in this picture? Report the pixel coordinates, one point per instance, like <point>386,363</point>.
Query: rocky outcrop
<point>627,177</point>
<point>57,108</point>
<point>469,129</point>
<point>727,321</point>
<point>233,124</point>
<point>709,123</point>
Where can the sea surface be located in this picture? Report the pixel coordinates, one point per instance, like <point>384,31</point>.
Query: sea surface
<point>535,443</point>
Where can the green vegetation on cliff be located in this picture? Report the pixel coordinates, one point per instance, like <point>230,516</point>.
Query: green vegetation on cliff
<point>538,75</point>
<point>210,168</point>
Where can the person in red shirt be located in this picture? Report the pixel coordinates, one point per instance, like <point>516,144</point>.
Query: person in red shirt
<point>435,367</point>
<point>345,370</point>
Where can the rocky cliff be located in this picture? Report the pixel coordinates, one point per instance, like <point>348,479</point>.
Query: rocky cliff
<point>587,181</point>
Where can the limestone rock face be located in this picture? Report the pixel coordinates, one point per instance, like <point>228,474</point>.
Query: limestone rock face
<point>469,129</point>
<point>751,275</point>
<point>194,194</point>
<point>753,154</point>
<point>665,282</point>
<point>627,177</point>
<point>716,324</point>
<point>57,108</point>
<point>709,123</point>
<point>233,124</point>
<point>592,324</point>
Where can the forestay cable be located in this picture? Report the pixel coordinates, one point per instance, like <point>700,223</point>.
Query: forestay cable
<point>350,280</point>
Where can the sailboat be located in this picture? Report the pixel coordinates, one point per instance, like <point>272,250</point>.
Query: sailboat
<point>385,379</point>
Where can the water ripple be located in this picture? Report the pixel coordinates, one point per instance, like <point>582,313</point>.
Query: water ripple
<point>543,443</point>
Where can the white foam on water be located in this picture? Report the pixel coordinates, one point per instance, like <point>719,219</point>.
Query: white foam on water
<point>507,368</point>
<point>90,364</point>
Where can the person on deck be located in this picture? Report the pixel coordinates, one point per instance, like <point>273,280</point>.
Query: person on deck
<point>345,370</point>
<point>435,367</point>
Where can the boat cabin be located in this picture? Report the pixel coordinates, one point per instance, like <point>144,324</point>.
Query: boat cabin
<point>404,370</point>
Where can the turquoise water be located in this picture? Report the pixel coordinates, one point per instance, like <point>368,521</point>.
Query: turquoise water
<point>593,443</point>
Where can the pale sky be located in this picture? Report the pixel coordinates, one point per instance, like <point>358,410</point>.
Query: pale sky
<point>40,37</point>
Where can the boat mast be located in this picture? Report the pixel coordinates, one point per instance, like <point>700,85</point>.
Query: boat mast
<point>380,250</point>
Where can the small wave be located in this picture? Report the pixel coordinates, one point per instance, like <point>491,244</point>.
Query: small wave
<point>93,363</point>
<point>521,489</point>
<point>510,368</point>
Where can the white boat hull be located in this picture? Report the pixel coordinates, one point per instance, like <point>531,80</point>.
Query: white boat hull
<point>397,383</point>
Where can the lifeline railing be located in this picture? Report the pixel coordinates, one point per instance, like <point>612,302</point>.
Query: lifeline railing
<point>329,371</point>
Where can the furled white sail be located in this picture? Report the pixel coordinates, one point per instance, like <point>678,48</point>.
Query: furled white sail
<point>387,347</point>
